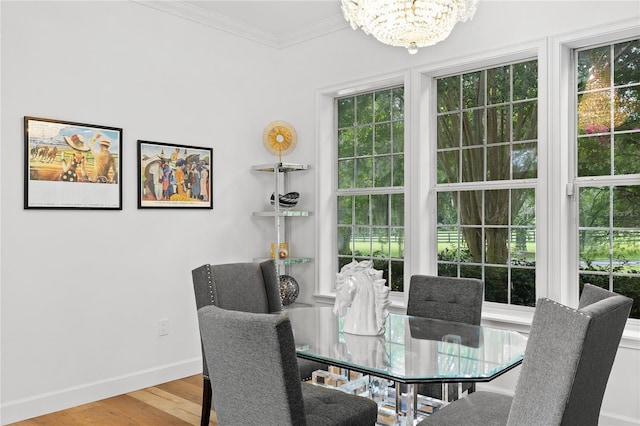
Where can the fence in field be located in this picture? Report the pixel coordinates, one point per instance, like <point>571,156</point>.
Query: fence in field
<point>526,236</point>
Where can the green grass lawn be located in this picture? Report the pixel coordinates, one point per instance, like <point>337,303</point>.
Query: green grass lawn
<point>362,248</point>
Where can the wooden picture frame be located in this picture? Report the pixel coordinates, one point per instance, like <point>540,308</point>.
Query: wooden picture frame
<point>71,165</point>
<point>174,176</point>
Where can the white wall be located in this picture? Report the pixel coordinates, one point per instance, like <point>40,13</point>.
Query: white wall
<point>82,291</point>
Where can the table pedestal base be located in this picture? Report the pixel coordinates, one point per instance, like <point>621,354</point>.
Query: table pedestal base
<point>398,404</point>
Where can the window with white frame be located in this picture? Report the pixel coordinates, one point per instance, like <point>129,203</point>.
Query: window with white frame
<point>370,181</point>
<point>487,169</point>
<point>607,169</point>
<point>496,186</point>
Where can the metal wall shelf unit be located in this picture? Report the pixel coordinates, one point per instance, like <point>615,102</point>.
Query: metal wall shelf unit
<point>281,173</point>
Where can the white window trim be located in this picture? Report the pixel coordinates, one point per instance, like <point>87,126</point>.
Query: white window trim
<point>564,256</point>
<point>556,262</point>
<point>326,175</point>
<point>426,208</point>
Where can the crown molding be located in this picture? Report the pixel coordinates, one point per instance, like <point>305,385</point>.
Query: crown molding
<point>220,22</point>
<point>318,29</point>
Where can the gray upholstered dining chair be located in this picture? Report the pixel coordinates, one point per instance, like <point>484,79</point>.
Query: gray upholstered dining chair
<point>253,367</point>
<point>565,369</point>
<point>249,287</point>
<point>592,294</point>
<point>448,299</point>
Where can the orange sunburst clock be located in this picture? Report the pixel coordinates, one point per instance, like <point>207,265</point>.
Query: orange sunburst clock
<point>279,138</point>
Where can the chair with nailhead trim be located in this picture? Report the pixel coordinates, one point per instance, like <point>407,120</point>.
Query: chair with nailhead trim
<point>247,287</point>
<point>254,373</point>
<point>565,370</point>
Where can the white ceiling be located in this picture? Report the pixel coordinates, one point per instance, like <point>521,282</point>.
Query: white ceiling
<point>274,23</point>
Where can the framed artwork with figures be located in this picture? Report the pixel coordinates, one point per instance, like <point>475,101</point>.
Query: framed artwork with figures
<point>174,176</point>
<point>71,165</point>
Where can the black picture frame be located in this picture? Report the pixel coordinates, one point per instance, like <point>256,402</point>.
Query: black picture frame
<point>70,165</point>
<point>174,176</point>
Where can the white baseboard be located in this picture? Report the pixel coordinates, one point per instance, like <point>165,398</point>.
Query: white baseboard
<point>45,403</point>
<point>38,405</point>
<point>612,419</point>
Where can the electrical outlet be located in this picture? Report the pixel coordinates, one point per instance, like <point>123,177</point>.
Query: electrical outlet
<point>163,327</point>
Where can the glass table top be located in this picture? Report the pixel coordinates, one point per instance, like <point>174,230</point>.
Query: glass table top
<point>412,349</point>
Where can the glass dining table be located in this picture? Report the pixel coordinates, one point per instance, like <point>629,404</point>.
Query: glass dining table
<point>412,350</point>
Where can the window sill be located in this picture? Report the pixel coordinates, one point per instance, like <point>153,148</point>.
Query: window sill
<point>512,318</point>
<point>397,306</point>
<point>517,318</point>
<point>520,318</point>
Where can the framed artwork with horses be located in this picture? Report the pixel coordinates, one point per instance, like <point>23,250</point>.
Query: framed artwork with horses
<point>71,165</point>
<point>174,176</point>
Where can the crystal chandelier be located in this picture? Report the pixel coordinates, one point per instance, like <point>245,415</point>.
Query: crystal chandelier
<point>408,23</point>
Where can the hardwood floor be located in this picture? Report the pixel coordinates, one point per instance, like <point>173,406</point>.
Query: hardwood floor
<point>176,403</point>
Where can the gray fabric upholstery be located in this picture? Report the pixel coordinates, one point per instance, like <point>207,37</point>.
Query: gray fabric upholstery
<point>478,408</point>
<point>307,367</point>
<point>448,299</point>
<point>551,358</point>
<point>592,294</point>
<point>438,330</point>
<point>254,374</point>
<point>608,319</point>
<point>248,287</point>
<point>228,285</point>
<point>565,370</point>
<point>336,407</point>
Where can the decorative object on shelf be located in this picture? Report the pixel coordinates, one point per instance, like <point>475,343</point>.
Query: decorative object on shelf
<point>289,289</point>
<point>282,213</point>
<point>283,251</point>
<point>286,201</point>
<point>410,24</point>
<point>279,138</point>
<point>361,288</point>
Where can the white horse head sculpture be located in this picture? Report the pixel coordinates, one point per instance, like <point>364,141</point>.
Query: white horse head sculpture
<point>368,350</point>
<point>362,288</point>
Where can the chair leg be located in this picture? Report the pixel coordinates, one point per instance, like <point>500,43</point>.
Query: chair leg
<point>206,402</point>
